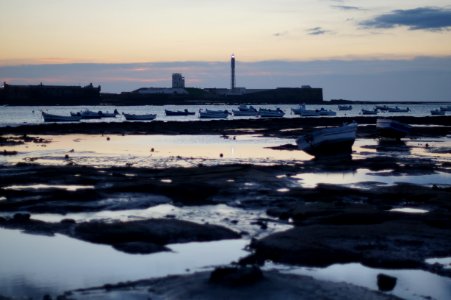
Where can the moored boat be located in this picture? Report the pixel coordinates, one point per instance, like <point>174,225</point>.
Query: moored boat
<point>145,117</point>
<point>392,128</point>
<point>328,141</point>
<point>438,112</point>
<point>398,109</point>
<point>244,110</point>
<point>344,107</point>
<point>270,113</point>
<point>59,118</point>
<point>369,111</point>
<point>87,114</point>
<point>213,114</point>
<point>184,112</point>
<point>106,114</point>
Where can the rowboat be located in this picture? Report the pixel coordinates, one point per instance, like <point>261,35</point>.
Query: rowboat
<point>244,110</point>
<point>179,112</point>
<point>438,112</point>
<point>369,112</point>
<point>213,114</point>
<point>145,117</point>
<point>344,107</point>
<point>398,109</point>
<point>58,118</point>
<point>270,113</point>
<point>392,128</point>
<point>328,141</point>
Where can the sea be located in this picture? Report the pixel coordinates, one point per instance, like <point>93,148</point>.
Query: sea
<point>19,115</point>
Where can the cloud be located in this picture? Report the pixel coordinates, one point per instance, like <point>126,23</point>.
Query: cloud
<point>317,31</point>
<point>346,7</point>
<point>422,18</point>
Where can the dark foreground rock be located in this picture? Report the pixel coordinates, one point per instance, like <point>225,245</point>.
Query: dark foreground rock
<point>272,285</point>
<point>390,244</point>
<point>135,237</point>
<point>149,236</point>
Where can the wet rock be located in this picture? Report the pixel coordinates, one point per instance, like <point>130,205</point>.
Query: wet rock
<point>393,244</point>
<point>236,276</point>
<point>140,247</point>
<point>21,217</point>
<point>385,282</point>
<point>68,221</point>
<point>132,235</point>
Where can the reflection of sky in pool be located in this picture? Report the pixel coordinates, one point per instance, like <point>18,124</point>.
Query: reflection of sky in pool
<point>33,265</point>
<point>411,284</point>
<point>362,176</point>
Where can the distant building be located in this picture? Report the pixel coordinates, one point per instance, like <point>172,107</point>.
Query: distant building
<point>178,81</point>
<point>161,91</point>
<point>50,94</point>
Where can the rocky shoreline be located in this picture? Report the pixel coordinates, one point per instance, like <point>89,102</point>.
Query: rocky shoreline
<point>327,224</point>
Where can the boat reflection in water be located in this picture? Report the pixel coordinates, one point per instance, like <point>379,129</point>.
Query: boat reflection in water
<point>390,145</point>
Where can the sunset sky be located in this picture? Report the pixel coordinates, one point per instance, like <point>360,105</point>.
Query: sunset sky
<point>127,44</point>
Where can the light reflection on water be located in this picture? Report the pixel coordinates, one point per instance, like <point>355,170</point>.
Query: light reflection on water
<point>231,217</point>
<point>154,150</point>
<point>411,284</point>
<point>32,266</point>
<point>362,176</point>
<point>48,186</point>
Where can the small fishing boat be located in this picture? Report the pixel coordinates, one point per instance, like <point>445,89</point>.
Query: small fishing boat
<point>145,117</point>
<point>392,128</point>
<point>302,111</point>
<point>87,114</point>
<point>328,141</point>
<point>437,112</point>
<point>369,111</point>
<point>382,107</point>
<point>106,114</point>
<point>270,113</point>
<point>398,109</point>
<point>344,107</point>
<point>326,112</point>
<point>213,114</point>
<point>244,110</point>
<point>179,112</point>
<point>58,118</point>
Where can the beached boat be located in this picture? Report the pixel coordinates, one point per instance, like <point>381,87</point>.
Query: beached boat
<point>328,141</point>
<point>438,112</point>
<point>398,109</point>
<point>145,117</point>
<point>184,112</point>
<point>344,107</point>
<point>392,128</point>
<point>369,112</point>
<point>213,114</point>
<point>270,113</point>
<point>244,110</point>
<point>58,118</point>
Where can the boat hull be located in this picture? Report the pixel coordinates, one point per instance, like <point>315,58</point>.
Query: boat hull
<point>132,117</point>
<point>179,113</point>
<point>329,141</point>
<point>57,118</point>
<point>392,129</point>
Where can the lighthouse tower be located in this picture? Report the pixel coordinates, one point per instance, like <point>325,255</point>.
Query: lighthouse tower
<point>232,67</point>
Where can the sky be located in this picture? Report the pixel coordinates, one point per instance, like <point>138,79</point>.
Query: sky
<point>358,50</point>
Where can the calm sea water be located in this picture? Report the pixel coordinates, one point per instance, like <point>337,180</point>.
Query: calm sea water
<point>17,115</point>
